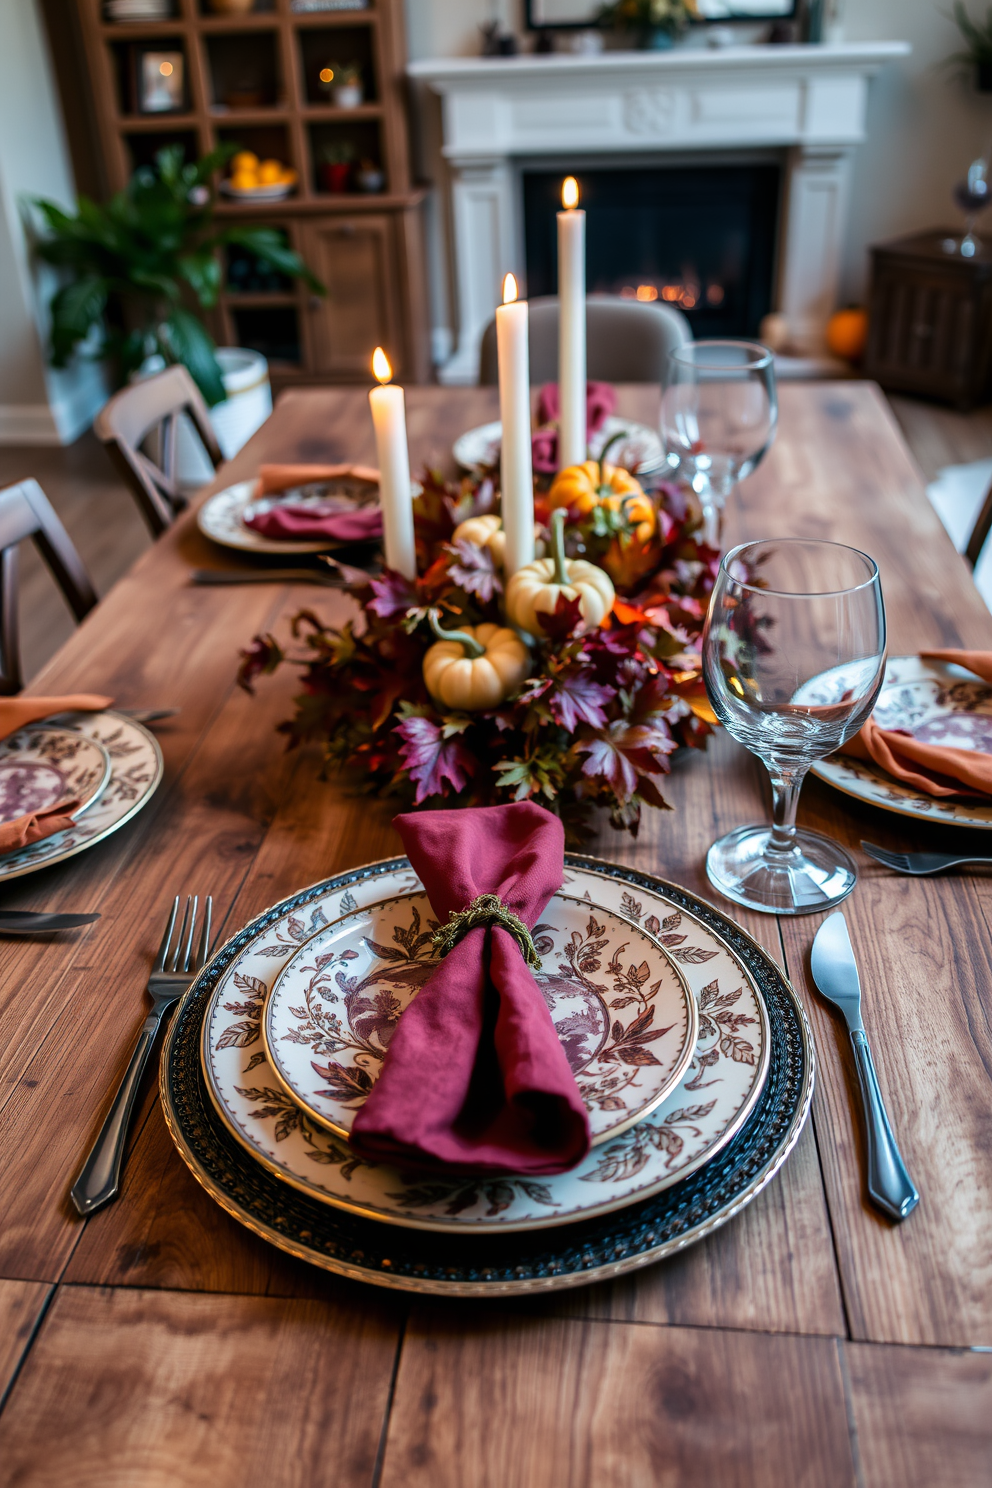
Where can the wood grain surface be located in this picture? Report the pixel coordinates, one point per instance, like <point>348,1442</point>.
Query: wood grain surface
<point>768,1354</point>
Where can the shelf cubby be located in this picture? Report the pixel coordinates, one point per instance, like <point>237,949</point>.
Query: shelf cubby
<point>244,71</point>
<point>332,49</point>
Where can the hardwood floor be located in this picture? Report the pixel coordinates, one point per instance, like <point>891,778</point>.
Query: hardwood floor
<point>103,521</point>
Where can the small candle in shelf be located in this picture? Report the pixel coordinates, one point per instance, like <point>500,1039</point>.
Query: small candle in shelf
<point>395,495</point>
<point>571,327</point>
<point>516,473</point>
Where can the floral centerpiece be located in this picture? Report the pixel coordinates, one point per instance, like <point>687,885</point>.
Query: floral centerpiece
<point>430,695</point>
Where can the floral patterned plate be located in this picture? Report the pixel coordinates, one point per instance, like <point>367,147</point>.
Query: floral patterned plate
<point>135,771</point>
<point>712,1102</point>
<point>624,1013</point>
<point>937,704</point>
<point>39,767</point>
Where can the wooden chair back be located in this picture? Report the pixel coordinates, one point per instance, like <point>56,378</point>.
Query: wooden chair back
<point>153,408</point>
<point>25,511</point>
<point>980,531</point>
<point>626,340</point>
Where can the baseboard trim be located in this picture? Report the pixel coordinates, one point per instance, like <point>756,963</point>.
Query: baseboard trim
<point>28,423</point>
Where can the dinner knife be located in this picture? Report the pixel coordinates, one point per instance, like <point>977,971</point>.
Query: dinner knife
<point>266,576</point>
<point>35,922</point>
<point>835,973</point>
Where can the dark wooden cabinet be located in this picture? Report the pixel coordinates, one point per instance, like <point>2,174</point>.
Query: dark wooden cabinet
<point>930,319</point>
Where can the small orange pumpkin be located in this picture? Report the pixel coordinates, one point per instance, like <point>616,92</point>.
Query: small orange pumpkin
<point>847,333</point>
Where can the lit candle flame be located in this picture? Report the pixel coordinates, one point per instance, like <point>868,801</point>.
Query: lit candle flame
<point>570,193</point>
<point>380,365</point>
<point>509,290</point>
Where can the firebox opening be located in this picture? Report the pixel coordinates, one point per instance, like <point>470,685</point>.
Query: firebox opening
<point>699,236</point>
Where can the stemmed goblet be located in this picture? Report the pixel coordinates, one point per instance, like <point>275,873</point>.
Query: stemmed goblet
<point>793,659</point>
<point>719,409</point>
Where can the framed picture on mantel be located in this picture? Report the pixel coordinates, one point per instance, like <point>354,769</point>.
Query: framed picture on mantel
<point>564,15</point>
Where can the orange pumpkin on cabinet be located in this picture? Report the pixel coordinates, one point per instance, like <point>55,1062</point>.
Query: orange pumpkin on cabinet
<point>847,333</point>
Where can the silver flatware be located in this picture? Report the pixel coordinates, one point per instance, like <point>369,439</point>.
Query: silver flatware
<point>38,922</point>
<point>174,971</point>
<point>217,576</point>
<point>920,864</point>
<point>147,715</point>
<point>835,973</point>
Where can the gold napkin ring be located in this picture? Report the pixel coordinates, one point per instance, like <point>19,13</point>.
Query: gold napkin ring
<point>487,909</point>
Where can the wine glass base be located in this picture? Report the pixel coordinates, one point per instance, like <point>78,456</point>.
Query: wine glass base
<point>816,875</point>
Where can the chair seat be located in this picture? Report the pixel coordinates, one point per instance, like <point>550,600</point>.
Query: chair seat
<point>626,340</point>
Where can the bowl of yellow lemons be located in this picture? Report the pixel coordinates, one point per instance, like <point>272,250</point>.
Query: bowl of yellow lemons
<point>252,179</point>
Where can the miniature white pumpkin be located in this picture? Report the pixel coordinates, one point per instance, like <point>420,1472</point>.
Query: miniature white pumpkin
<point>534,589</point>
<point>475,668</point>
<point>487,532</point>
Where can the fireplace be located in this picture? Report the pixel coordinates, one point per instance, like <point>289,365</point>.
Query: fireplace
<point>701,237</point>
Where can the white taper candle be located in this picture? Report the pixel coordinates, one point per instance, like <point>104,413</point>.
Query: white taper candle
<point>395,493</point>
<point>516,473</point>
<point>571,328</point>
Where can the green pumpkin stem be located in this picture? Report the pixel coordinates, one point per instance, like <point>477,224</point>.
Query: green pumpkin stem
<point>558,546</point>
<point>473,648</point>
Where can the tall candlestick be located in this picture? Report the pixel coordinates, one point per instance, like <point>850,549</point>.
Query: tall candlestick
<point>571,328</point>
<point>395,496</point>
<point>516,473</point>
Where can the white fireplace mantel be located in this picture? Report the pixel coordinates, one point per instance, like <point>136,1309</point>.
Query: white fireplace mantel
<point>806,102</point>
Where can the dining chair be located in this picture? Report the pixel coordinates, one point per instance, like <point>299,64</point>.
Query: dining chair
<point>148,413</point>
<point>25,511</point>
<point>626,340</point>
<point>980,531</point>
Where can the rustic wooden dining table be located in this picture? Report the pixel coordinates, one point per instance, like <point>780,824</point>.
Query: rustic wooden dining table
<point>809,1341</point>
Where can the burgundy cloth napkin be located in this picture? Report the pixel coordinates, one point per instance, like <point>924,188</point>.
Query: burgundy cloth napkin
<point>601,400</point>
<point>302,524</point>
<point>475,1078</point>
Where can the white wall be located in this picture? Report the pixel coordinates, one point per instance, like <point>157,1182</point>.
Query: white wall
<point>37,404</point>
<point>924,125</point>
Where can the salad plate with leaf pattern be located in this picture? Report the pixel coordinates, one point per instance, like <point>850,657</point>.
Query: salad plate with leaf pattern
<point>938,704</point>
<point>622,1009</point>
<point>135,771</point>
<point>39,767</point>
<point>710,1104</point>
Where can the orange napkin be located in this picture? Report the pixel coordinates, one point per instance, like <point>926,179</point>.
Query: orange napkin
<point>932,768</point>
<point>14,714</point>
<point>39,824</point>
<point>273,479</point>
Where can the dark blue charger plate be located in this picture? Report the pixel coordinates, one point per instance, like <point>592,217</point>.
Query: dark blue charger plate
<point>487,1265</point>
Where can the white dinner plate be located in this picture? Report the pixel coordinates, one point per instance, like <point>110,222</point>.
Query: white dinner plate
<point>135,770</point>
<point>641,451</point>
<point>41,766</point>
<point>221,518</point>
<point>938,704</point>
<point>703,1113</point>
<point>624,1013</point>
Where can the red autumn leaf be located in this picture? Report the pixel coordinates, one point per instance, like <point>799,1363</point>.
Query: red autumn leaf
<point>576,699</point>
<point>563,620</point>
<point>430,759</point>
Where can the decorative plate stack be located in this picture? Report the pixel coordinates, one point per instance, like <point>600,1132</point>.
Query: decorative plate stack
<point>689,1047</point>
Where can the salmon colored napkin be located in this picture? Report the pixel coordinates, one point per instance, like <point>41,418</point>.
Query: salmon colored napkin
<point>272,479</point>
<point>14,714</point>
<point>933,768</point>
<point>475,1077</point>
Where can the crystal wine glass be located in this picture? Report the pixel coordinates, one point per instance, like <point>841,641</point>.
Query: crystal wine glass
<point>972,195</point>
<point>793,658</point>
<point>719,409</point>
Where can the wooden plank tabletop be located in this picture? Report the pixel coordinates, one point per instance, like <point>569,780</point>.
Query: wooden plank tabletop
<point>809,1341</point>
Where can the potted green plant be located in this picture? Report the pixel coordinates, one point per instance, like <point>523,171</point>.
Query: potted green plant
<point>336,161</point>
<point>136,272</point>
<point>655,23</point>
<point>978,39</point>
<point>343,81</point>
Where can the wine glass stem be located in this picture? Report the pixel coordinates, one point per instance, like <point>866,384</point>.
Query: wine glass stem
<point>786,785</point>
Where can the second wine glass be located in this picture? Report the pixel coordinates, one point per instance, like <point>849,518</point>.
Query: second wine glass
<point>719,409</point>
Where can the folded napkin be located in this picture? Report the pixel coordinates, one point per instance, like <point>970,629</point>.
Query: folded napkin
<point>272,479</point>
<point>601,400</point>
<point>39,824</point>
<point>475,1077</point>
<point>935,769</point>
<point>14,714</point>
<point>306,524</point>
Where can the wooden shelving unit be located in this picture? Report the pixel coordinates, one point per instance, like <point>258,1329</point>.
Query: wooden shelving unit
<point>366,247</point>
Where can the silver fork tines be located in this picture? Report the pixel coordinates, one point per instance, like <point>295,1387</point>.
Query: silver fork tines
<point>920,864</point>
<point>173,972</point>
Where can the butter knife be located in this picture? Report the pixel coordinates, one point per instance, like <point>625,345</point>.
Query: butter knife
<point>835,973</point>
<point>36,922</point>
<point>266,576</point>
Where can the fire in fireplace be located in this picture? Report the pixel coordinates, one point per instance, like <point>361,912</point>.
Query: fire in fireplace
<point>698,236</point>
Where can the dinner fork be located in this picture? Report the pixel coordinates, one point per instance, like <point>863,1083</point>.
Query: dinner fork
<point>173,972</point>
<point>920,864</point>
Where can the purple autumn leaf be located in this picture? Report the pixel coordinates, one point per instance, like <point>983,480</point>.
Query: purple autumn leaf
<point>475,571</point>
<point>576,699</point>
<point>394,594</point>
<point>430,759</point>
